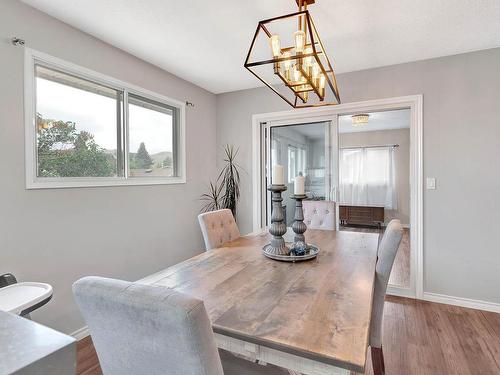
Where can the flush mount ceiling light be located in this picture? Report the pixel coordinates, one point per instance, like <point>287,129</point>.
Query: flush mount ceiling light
<point>360,119</point>
<point>301,72</point>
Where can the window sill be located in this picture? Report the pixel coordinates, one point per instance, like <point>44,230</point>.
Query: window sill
<point>49,183</point>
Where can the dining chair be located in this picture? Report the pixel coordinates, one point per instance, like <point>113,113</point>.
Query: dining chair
<point>218,227</point>
<point>387,249</point>
<point>144,329</point>
<point>319,214</point>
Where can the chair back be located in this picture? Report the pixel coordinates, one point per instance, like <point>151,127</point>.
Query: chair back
<point>142,329</point>
<point>387,249</point>
<point>218,227</point>
<point>319,214</point>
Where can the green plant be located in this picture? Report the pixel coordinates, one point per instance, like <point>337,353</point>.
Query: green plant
<point>64,151</point>
<point>142,157</point>
<point>213,198</point>
<point>225,193</point>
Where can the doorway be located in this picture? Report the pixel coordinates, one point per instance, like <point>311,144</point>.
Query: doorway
<point>374,179</point>
<point>261,162</point>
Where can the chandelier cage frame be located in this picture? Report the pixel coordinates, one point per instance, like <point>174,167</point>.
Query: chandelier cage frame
<point>317,47</point>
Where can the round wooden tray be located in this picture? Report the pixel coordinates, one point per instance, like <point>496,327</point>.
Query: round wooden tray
<point>312,252</point>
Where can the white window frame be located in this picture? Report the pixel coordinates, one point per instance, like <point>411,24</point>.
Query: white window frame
<point>32,57</point>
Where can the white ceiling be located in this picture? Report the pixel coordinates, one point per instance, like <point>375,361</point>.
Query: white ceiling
<point>206,42</point>
<point>387,120</point>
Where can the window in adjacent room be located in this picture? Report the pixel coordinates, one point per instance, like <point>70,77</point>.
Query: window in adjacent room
<point>367,176</point>
<point>296,162</point>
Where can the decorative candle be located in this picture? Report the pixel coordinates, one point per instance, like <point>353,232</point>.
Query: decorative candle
<point>278,177</point>
<point>299,185</point>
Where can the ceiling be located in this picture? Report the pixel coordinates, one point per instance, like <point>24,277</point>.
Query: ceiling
<point>206,42</point>
<point>387,120</point>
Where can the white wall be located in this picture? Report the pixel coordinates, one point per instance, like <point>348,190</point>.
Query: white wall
<point>400,137</point>
<point>57,236</point>
<point>461,149</point>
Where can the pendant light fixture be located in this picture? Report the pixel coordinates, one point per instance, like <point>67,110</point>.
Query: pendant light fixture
<point>301,72</point>
<point>360,119</point>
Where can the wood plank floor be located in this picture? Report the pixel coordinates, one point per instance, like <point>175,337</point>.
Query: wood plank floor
<point>400,274</point>
<point>420,338</point>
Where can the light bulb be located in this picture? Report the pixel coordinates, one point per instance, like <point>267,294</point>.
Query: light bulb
<point>308,60</point>
<point>300,41</point>
<point>275,45</point>
<point>315,71</point>
<point>305,96</point>
<point>322,81</point>
<point>296,74</point>
<point>288,62</point>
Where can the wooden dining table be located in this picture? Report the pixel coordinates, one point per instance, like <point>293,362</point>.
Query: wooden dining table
<point>311,317</point>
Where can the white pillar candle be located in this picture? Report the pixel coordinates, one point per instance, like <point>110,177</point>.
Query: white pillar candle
<point>299,187</point>
<point>278,177</point>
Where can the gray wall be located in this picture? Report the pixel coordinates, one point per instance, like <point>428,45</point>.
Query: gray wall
<point>59,235</point>
<point>461,149</point>
<point>400,137</point>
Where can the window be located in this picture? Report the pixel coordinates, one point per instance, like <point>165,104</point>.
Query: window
<point>367,176</point>
<point>296,162</point>
<point>85,129</point>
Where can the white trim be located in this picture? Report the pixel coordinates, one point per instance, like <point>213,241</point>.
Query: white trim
<point>399,291</point>
<point>33,182</point>
<point>462,302</point>
<point>81,333</point>
<point>415,103</point>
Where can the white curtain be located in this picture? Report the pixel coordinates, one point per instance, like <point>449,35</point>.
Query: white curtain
<point>367,177</point>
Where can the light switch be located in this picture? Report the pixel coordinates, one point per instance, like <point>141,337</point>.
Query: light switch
<point>431,183</point>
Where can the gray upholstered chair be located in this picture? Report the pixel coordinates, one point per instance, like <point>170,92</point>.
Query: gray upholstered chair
<point>143,329</point>
<point>319,214</point>
<point>218,227</point>
<point>387,250</point>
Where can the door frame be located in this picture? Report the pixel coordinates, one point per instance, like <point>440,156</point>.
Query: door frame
<point>330,113</point>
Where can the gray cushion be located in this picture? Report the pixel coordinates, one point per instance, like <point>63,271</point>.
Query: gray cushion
<point>387,250</point>
<point>218,227</point>
<point>142,329</point>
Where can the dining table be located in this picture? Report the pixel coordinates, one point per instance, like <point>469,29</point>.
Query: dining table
<point>310,317</point>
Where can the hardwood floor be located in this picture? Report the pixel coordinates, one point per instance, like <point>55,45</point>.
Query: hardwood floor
<point>400,274</point>
<point>87,362</point>
<point>420,338</point>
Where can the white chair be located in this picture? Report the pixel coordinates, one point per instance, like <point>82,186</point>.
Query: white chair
<point>144,329</point>
<point>218,227</point>
<point>387,250</point>
<point>319,214</point>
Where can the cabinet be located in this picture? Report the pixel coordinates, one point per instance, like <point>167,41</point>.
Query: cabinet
<point>361,215</point>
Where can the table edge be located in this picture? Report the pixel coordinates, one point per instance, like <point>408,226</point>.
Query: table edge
<point>290,350</point>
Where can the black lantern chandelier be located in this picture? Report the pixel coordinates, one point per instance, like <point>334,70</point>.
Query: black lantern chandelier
<point>301,72</point>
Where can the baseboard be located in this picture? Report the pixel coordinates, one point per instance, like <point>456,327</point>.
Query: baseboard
<point>462,302</point>
<point>400,291</point>
<point>80,333</point>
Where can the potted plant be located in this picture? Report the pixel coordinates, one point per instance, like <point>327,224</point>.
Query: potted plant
<point>225,192</point>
